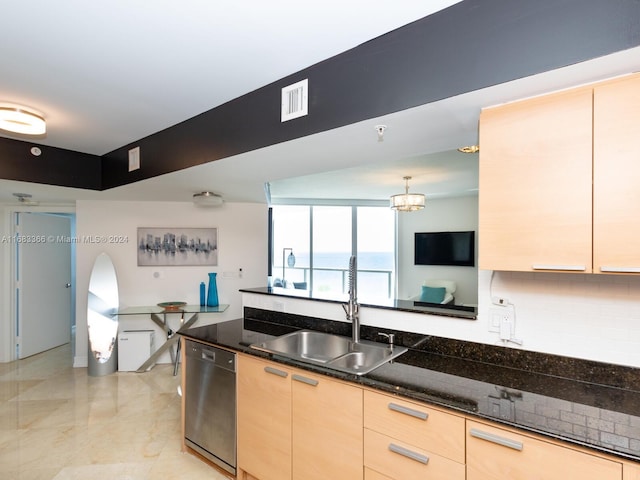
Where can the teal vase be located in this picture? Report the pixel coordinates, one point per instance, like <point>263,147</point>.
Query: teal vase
<point>212,292</point>
<point>203,293</point>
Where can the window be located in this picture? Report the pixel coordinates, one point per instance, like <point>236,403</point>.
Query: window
<point>323,238</point>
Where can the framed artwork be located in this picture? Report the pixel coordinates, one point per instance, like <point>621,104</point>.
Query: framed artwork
<point>178,247</point>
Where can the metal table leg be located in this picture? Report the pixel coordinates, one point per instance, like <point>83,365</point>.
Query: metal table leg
<point>171,340</point>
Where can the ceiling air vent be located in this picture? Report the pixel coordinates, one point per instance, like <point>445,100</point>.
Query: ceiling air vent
<point>295,101</point>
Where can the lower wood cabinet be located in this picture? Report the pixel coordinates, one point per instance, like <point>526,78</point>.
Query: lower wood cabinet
<point>400,460</point>
<point>498,453</point>
<point>264,419</point>
<point>405,439</point>
<point>373,475</point>
<point>296,425</point>
<point>631,471</point>
<point>293,424</point>
<point>327,428</point>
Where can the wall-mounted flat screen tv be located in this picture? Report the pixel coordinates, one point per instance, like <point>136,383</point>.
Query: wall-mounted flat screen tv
<point>445,248</point>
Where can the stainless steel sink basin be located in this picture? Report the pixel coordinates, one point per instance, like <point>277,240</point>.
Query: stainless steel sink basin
<point>332,351</point>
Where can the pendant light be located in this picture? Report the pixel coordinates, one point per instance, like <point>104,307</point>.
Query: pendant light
<point>407,202</point>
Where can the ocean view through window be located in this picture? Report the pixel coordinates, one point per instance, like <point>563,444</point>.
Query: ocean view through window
<point>322,238</point>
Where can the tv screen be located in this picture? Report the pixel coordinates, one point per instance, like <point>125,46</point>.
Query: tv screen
<point>445,248</point>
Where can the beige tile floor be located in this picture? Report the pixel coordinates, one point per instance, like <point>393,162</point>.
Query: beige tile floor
<point>58,423</point>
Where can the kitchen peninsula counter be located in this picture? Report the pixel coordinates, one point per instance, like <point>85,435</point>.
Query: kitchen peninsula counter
<point>585,403</point>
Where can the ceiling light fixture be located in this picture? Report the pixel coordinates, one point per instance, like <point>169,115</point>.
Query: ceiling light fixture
<point>407,202</point>
<point>25,199</point>
<point>469,149</point>
<point>22,120</point>
<point>207,199</point>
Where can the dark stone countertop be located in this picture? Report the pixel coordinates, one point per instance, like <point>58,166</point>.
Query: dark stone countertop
<point>466,377</point>
<point>458,311</point>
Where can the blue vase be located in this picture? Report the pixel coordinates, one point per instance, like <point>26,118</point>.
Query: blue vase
<point>203,293</point>
<point>212,292</point>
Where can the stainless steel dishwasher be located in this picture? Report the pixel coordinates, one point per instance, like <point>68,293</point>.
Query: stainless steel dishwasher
<point>210,403</point>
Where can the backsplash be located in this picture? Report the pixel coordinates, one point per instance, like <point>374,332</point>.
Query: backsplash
<point>511,361</point>
<point>595,317</point>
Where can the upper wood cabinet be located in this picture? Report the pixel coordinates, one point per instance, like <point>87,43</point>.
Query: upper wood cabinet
<point>558,181</point>
<point>535,184</point>
<point>616,185</point>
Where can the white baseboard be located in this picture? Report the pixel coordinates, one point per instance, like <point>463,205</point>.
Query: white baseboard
<point>80,361</point>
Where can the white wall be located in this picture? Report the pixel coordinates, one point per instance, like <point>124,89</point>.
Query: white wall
<point>242,243</point>
<point>593,317</point>
<point>438,215</point>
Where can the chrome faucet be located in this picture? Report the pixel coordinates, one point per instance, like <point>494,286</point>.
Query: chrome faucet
<point>351,308</point>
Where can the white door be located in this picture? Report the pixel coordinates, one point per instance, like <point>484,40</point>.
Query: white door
<point>43,282</point>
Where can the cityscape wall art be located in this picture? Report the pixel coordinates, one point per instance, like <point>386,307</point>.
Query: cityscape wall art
<point>177,247</point>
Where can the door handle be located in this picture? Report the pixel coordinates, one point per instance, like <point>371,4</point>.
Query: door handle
<point>68,285</point>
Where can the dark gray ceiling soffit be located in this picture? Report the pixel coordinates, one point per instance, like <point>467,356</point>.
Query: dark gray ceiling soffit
<point>471,45</point>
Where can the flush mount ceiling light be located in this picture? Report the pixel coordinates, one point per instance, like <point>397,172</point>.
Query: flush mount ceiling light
<point>25,199</point>
<point>407,202</point>
<point>23,120</point>
<point>207,199</point>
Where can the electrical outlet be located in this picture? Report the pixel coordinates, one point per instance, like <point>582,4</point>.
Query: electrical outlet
<point>499,315</point>
<point>506,328</point>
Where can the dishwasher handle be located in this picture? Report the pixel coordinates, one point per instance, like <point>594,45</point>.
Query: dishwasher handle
<point>220,358</point>
<point>208,355</point>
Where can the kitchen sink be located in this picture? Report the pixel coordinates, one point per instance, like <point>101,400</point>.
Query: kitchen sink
<point>332,351</point>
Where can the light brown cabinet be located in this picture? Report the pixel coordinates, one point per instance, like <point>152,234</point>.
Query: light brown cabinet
<point>293,424</point>
<point>630,471</point>
<point>410,440</point>
<point>535,184</point>
<point>327,428</point>
<point>616,196</point>
<point>558,177</point>
<point>264,419</point>
<point>296,425</point>
<point>498,453</point>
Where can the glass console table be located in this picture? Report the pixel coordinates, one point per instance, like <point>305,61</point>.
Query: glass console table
<point>188,316</point>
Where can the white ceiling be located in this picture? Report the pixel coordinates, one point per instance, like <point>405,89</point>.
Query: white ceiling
<point>107,73</point>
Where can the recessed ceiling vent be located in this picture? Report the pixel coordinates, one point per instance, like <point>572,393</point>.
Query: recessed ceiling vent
<point>295,100</point>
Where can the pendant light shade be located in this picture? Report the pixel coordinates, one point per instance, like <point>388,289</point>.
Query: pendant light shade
<point>407,202</point>
<point>18,119</point>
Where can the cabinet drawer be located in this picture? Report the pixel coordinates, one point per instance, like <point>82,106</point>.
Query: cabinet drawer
<point>373,475</point>
<point>401,460</point>
<point>496,453</point>
<point>415,424</point>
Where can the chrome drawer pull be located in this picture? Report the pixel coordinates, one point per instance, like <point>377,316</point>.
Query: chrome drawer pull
<point>405,452</point>
<point>275,371</point>
<point>620,269</point>
<point>308,381</point>
<point>490,437</point>
<point>568,268</point>
<point>408,411</point>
